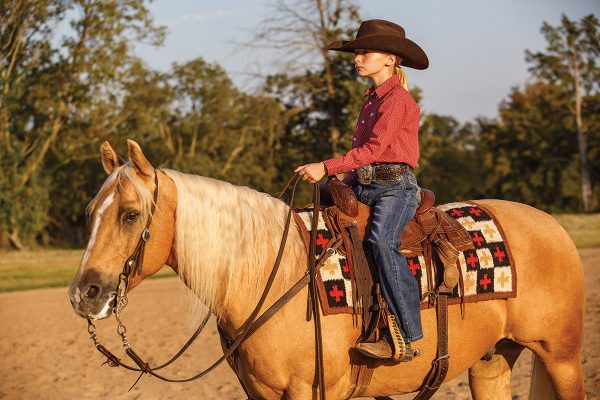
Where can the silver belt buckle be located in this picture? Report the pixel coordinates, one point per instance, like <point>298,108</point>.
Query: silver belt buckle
<point>365,174</point>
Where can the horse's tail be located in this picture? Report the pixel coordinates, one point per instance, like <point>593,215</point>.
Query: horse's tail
<point>541,387</point>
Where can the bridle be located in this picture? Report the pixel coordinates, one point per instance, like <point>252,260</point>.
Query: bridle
<point>133,266</point>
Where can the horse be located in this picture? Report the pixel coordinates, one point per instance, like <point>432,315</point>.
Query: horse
<point>222,240</point>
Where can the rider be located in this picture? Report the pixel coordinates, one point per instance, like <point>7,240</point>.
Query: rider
<point>385,150</point>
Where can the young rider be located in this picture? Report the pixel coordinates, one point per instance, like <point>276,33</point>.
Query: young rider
<point>385,150</point>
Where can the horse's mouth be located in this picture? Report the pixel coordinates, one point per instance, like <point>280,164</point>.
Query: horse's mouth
<point>100,309</point>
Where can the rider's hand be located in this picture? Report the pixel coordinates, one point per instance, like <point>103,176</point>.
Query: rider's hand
<point>311,172</point>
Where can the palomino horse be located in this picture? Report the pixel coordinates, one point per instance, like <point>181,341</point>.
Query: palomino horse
<point>222,241</point>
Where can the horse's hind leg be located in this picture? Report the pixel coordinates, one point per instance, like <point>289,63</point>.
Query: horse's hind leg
<point>560,356</point>
<point>565,376</point>
<point>491,379</point>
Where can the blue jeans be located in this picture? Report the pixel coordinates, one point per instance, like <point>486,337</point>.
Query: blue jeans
<point>393,206</point>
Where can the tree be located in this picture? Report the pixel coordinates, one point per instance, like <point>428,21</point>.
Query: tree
<point>571,61</point>
<point>308,124</point>
<point>300,30</point>
<point>451,163</point>
<point>530,152</point>
<point>194,119</point>
<point>58,97</point>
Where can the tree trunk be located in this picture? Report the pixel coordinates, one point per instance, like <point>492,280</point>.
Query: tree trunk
<point>32,164</point>
<point>234,153</point>
<point>586,184</point>
<point>13,237</point>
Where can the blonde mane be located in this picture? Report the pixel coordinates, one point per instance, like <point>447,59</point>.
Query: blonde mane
<point>227,238</point>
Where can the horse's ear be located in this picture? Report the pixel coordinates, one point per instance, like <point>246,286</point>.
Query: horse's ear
<point>110,159</point>
<point>137,158</point>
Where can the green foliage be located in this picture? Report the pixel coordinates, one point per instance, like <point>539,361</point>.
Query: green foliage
<point>544,149</point>
<point>24,210</point>
<point>570,64</point>
<point>570,43</point>
<point>309,112</point>
<point>58,96</point>
<point>532,149</point>
<point>194,119</point>
<point>450,162</point>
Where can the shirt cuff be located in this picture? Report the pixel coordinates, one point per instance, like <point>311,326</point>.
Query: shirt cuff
<point>332,166</point>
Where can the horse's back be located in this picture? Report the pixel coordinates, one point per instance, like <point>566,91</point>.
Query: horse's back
<point>549,273</point>
<point>529,231</point>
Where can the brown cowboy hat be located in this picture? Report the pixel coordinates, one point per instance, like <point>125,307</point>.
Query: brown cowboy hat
<point>378,34</point>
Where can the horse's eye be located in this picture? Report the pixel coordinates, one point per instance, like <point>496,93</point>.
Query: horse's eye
<point>131,217</point>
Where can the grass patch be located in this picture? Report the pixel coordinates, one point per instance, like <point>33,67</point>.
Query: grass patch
<point>22,270</point>
<point>584,229</point>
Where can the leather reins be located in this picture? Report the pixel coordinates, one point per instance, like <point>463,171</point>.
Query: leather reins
<point>133,267</point>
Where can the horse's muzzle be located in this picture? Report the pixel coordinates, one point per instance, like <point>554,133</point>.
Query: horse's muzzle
<point>91,298</point>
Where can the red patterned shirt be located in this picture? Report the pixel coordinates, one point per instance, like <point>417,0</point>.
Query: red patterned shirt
<point>386,130</point>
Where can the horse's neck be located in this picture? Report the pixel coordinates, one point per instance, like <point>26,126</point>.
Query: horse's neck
<point>227,241</point>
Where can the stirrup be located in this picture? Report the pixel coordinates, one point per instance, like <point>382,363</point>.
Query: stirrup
<point>398,344</point>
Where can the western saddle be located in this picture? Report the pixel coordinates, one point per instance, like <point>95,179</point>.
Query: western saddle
<point>431,233</point>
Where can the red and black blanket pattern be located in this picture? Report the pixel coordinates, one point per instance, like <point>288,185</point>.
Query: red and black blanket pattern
<point>488,271</point>
<point>335,278</point>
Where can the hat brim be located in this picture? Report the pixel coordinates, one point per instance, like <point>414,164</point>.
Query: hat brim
<point>412,55</point>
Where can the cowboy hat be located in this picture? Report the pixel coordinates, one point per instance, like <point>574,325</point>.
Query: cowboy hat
<point>378,34</point>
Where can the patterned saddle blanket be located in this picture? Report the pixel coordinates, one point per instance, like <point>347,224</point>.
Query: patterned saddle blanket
<point>487,270</point>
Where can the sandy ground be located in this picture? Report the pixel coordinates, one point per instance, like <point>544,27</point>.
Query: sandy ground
<point>45,352</point>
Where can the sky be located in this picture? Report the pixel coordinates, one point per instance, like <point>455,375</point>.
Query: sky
<point>476,48</point>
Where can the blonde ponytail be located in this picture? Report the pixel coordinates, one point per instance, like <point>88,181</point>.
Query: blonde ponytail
<point>401,75</point>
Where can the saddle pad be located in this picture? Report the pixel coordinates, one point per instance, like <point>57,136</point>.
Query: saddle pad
<point>488,271</point>
<point>335,278</point>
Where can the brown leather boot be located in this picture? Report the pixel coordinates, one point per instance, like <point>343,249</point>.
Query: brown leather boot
<point>380,349</point>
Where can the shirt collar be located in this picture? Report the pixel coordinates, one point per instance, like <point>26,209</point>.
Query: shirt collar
<point>385,87</point>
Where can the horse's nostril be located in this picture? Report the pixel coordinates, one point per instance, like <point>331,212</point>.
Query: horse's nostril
<point>92,291</point>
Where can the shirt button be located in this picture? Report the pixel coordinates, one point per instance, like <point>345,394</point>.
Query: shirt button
<point>372,114</point>
<point>362,122</point>
<point>369,103</point>
<point>354,140</point>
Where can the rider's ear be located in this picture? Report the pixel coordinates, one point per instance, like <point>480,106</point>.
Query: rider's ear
<point>110,159</point>
<point>391,61</point>
<point>137,158</point>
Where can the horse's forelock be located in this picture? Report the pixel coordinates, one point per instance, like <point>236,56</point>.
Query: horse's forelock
<point>116,182</point>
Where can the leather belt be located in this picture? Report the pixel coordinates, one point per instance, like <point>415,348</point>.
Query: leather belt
<point>382,173</point>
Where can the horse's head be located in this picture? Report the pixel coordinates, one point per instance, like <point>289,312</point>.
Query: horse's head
<point>117,217</point>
